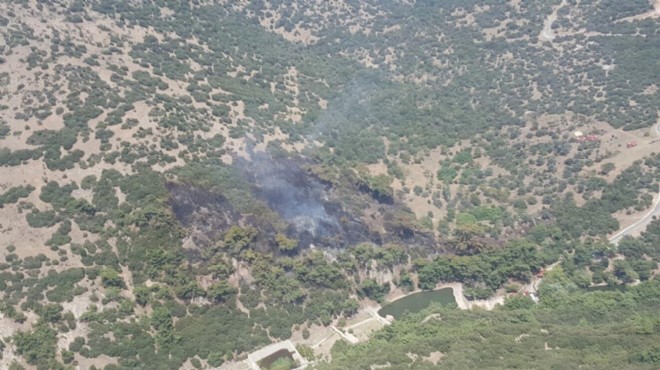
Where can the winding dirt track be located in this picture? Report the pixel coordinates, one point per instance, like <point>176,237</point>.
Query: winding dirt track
<point>641,224</point>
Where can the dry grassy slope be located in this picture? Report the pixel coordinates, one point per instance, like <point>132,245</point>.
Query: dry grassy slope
<point>421,172</point>
<point>95,34</point>
<point>27,87</point>
<point>613,147</point>
<point>37,79</point>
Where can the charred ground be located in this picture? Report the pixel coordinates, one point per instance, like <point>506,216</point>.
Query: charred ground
<point>285,196</point>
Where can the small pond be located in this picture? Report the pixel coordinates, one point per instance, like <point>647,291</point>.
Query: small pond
<point>417,302</point>
<point>277,356</point>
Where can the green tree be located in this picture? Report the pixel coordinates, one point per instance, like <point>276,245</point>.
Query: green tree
<point>51,312</point>
<point>111,278</point>
<point>238,238</point>
<point>285,244</point>
<point>38,346</point>
<point>381,189</point>
<point>142,294</point>
<point>371,289</point>
<point>161,321</point>
<point>221,291</point>
<point>606,168</point>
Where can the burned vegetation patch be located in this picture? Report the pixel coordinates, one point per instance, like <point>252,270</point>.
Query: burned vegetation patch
<point>311,209</point>
<point>206,212</point>
<point>281,197</point>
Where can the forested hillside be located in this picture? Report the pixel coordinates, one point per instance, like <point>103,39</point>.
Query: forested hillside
<point>572,326</point>
<point>184,182</point>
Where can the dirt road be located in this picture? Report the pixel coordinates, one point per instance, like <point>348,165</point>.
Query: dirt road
<point>640,225</point>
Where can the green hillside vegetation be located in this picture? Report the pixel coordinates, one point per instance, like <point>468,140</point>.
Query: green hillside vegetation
<point>592,330</point>
<point>149,150</point>
<point>572,326</point>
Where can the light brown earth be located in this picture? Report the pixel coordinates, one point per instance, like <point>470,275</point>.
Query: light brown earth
<point>29,242</point>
